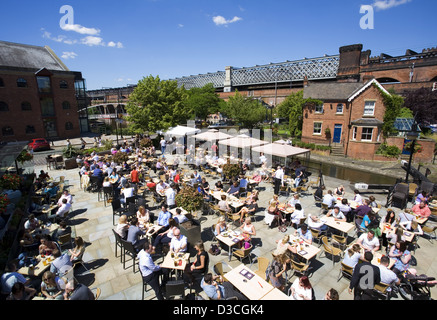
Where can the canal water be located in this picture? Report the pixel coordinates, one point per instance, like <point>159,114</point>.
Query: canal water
<point>350,174</point>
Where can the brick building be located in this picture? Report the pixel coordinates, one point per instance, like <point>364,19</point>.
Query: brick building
<point>350,117</point>
<point>39,96</point>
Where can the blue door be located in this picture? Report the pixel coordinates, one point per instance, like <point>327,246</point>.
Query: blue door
<point>337,133</point>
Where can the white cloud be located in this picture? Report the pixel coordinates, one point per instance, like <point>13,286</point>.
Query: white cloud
<point>112,44</point>
<point>92,41</point>
<point>80,29</point>
<point>69,55</point>
<point>180,25</point>
<point>388,4</point>
<point>220,21</point>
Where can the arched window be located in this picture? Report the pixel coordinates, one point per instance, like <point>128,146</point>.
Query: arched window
<point>63,84</point>
<point>4,106</point>
<point>21,83</point>
<point>26,106</point>
<point>68,126</point>
<point>7,131</point>
<point>30,129</point>
<point>66,105</point>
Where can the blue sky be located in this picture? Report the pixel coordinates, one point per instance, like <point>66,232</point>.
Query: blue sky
<point>115,43</point>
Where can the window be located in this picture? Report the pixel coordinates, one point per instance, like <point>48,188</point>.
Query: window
<point>366,134</point>
<point>30,129</point>
<point>2,84</point>
<point>26,106</point>
<point>68,126</point>
<point>369,108</point>
<point>66,105</point>
<point>317,128</point>
<point>21,83</point>
<point>63,84</point>
<point>319,109</point>
<point>7,131</point>
<point>47,107</point>
<point>4,106</point>
<point>339,108</point>
<point>354,133</point>
<point>44,85</point>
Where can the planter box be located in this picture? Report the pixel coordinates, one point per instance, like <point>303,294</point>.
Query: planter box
<point>191,229</point>
<point>70,164</point>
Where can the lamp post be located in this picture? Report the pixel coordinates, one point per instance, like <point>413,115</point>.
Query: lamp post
<point>412,135</point>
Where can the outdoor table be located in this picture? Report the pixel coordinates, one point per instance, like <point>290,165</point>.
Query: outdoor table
<point>275,294</point>
<point>230,238</point>
<point>387,229</point>
<point>353,204</point>
<point>342,226</point>
<point>39,269</point>
<point>419,219</point>
<point>248,283</point>
<point>285,209</point>
<point>152,229</point>
<point>305,250</point>
<point>177,263</point>
<point>376,257</point>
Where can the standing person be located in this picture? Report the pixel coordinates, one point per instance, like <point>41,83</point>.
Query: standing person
<point>135,178</point>
<point>364,278</point>
<point>298,176</point>
<point>279,179</point>
<point>163,144</point>
<point>83,144</point>
<point>279,266</point>
<point>150,271</point>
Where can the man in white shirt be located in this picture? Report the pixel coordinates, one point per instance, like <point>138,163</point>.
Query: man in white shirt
<point>316,224</point>
<point>387,276</point>
<point>368,241</point>
<point>62,212</point>
<point>161,186</point>
<point>150,271</point>
<point>279,179</point>
<point>178,242</point>
<point>357,198</point>
<point>329,199</point>
<point>336,214</point>
<point>170,194</point>
<point>65,195</point>
<point>262,158</point>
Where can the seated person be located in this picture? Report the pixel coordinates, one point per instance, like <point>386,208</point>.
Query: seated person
<point>357,197</point>
<point>220,226</point>
<point>248,209</point>
<point>423,195</point>
<point>127,192</point>
<point>294,201</point>
<point>316,224</point>
<point>346,209</point>
<point>372,202</point>
<point>143,216</point>
<point>223,204</point>
<point>329,199</point>
<point>10,277</point>
<point>368,241</point>
<point>179,217</point>
<point>163,216</point>
<point>340,191</point>
<point>62,230</point>
<point>234,189</point>
<point>363,209</point>
<point>297,214</point>
<point>134,234</point>
<point>421,209</point>
<point>412,226</point>
<point>248,228</point>
<point>178,242</point>
<point>406,216</point>
<point>352,255</point>
<point>61,264</point>
<point>219,185</point>
<point>122,226</point>
<point>31,224</point>
<point>62,212</point>
<point>47,246</point>
<point>51,190</point>
<point>65,195</point>
<point>216,291</point>
<point>304,234</point>
<point>43,175</point>
<point>336,214</point>
<point>106,182</point>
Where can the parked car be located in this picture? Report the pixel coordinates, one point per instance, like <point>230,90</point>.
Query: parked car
<point>39,144</point>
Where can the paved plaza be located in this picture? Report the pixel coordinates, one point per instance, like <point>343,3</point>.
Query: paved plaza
<point>93,222</point>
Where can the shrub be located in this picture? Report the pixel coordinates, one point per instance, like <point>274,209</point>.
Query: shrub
<point>231,170</point>
<point>120,157</point>
<point>189,199</point>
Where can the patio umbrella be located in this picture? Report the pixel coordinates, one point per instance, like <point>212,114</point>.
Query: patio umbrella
<point>212,135</point>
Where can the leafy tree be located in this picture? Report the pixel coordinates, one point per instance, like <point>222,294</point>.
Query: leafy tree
<point>292,108</point>
<point>245,110</point>
<point>203,101</point>
<point>422,102</point>
<point>393,107</point>
<point>156,105</point>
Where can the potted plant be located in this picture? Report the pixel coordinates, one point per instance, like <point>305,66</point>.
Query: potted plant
<point>120,157</point>
<point>146,143</point>
<point>4,202</point>
<point>231,170</point>
<point>189,199</point>
<point>24,156</point>
<point>10,181</point>
<point>328,133</point>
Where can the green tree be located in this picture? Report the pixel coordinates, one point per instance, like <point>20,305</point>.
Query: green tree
<point>244,110</point>
<point>393,107</point>
<point>156,105</point>
<point>203,101</point>
<point>292,108</point>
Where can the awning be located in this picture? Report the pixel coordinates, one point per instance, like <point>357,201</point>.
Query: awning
<point>242,141</point>
<point>181,131</point>
<point>280,150</point>
<point>212,135</point>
